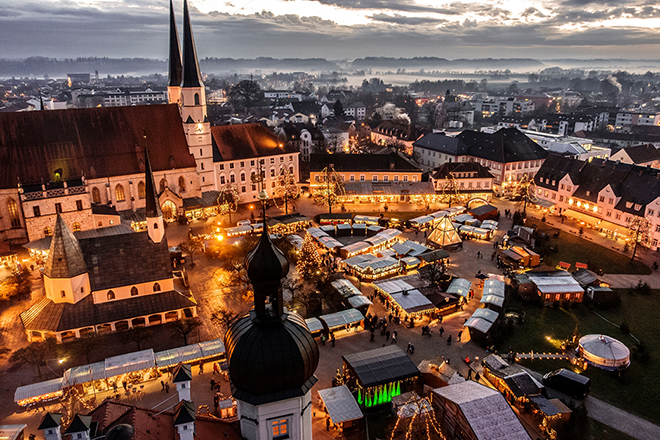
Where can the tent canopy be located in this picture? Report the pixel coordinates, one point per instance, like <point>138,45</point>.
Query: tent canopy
<point>444,233</point>
<point>459,286</point>
<point>342,318</point>
<point>341,404</point>
<point>39,389</point>
<point>412,301</point>
<point>314,325</point>
<point>359,301</point>
<point>381,366</point>
<point>129,362</point>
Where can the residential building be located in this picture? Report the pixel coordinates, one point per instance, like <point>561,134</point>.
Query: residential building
<point>645,155</point>
<point>578,148</point>
<point>356,110</point>
<point>389,167</point>
<point>465,180</point>
<point>498,106</point>
<point>636,117</point>
<point>602,194</point>
<point>392,133</point>
<point>435,149</point>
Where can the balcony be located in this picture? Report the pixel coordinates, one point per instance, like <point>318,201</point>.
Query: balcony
<point>53,189</point>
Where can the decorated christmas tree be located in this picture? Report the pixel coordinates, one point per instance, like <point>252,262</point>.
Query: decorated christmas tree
<point>309,262</point>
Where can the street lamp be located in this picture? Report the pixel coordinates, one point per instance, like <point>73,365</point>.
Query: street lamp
<point>59,361</point>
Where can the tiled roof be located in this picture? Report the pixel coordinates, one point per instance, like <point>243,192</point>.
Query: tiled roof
<point>49,316</point>
<point>641,154</point>
<point>462,167</point>
<point>79,424</point>
<point>96,142</point>
<point>184,412</point>
<point>361,162</point>
<point>504,146</point>
<point>118,260</point>
<point>65,259</point>
<point>244,141</point>
<point>400,131</point>
<point>442,143</point>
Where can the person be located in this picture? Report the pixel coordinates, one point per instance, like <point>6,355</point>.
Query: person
<point>162,386</point>
<point>492,256</point>
<point>327,424</point>
<point>469,376</point>
<point>442,330</point>
<point>212,384</point>
<point>387,335</point>
<point>323,338</point>
<point>390,318</point>
<point>167,388</point>
<point>476,376</point>
<point>371,338</point>
<point>124,384</point>
<point>449,340</point>
<point>216,368</point>
<point>216,402</point>
<point>409,345</point>
<point>412,348</point>
<point>332,339</point>
<point>460,332</point>
<point>393,337</point>
<point>201,367</point>
<point>478,253</point>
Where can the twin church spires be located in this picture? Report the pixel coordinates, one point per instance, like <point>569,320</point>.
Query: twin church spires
<point>186,89</point>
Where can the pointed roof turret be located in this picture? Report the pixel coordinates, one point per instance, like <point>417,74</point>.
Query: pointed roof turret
<point>176,68</point>
<point>65,259</point>
<point>152,205</point>
<point>191,75</point>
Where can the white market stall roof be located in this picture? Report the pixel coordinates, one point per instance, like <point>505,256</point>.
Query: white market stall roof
<point>413,301</point>
<point>314,325</point>
<point>479,324</point>
<point>344,227</point>
<point>390,233</point>
<point>359,301</point>
<point>366,219</point>
<point>237,230</point>
<point>342,318</point>
<point>439,214</point>
<point>559,283</point>
<point>494,287</point>
<point>345,288</point>
<point>212,348</point>
<point>376,239</point>
<point>356,247</point>
<point>466,228</point>
<point>492,299</point>
<point>39,389</point>
<point>173,356</point>
<point>371,261</point>
<point>459,286</point>
<point>462,218</point>
<point>487,314</point>
<point>481,231</point>
<point>485,410</point>
<point>130,362</point>
<point>329,242</point>
<point>316,232</point>
<point>341,404</point>
<point>11,432</point>
<point>391,287</point>
<point>409,248</point>
<point>411,261</point>
<point>422,220</point>
<point>85,373</point>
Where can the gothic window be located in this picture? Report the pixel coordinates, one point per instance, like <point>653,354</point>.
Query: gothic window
<point>196,98</point>
<point>141,190</point>
<point>75,227</point>
<point>156,287</point>
<point>163,184</point>
<point>96,195</point>
<point>119,193</point>
<point>63,294</point>
<point>111,295</point>
<point>14,218</point>
<point>182,184</point>
<point>134,291</point>
<point>48,231</point>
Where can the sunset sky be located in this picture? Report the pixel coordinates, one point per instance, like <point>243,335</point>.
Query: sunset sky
<point>336,29</point>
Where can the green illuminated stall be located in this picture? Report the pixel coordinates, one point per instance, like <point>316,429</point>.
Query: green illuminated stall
<point>376,376</point>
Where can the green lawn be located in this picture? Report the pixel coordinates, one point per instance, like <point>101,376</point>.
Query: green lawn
<point>637,389</point>
<point>572,249</point>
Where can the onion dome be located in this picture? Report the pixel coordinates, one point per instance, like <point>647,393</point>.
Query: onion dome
<point>271,360</point>
<point>120,432</point>
<point>266,263</point>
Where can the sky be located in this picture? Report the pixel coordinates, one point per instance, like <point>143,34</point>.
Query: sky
<point>336,29</point>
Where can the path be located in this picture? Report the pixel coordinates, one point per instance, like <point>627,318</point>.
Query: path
<point>621,420</point>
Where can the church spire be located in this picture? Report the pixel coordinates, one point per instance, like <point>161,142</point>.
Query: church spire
<point>191,75</point>
<point>65,259</point>
<point>175,72</point>
<point>152,205</point>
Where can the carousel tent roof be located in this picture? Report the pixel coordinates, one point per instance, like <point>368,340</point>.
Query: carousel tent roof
<point>381,366</point>
<point>605,348</point>
<point>444,233</point>
<point>341,404</point>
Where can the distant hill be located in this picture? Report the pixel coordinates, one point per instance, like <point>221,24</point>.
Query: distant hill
<point>443,63</point>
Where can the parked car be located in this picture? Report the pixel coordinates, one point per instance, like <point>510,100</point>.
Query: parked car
<point>568,382</point>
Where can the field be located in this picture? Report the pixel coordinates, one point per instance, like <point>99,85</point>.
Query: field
<point>571,249</point>
<point>636,388</point>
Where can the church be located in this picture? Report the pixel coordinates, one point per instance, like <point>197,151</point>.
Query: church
<point>110,279</point>
<point>86,165</point>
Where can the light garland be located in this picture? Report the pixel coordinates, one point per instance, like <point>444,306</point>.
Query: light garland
<point>423,408</point>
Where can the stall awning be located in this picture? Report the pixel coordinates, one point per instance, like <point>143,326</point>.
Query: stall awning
<point>345,288</point>
<point>487,314</point>
<point>85,373</point>
<point>459,286</point>
<point>492,299</point>
<point>314,325</point>
<point>173,356</point>
<point>212,348</point>
<point>339,319</point>
<point>39,389</point>
<point>596,221</point>
<point>130,362</point>
<point>494,287</point>
<point>341,404</point>
<point>413,301</point>
<point>359,301</point>
<point>381,366</point>
<point>479,324</point>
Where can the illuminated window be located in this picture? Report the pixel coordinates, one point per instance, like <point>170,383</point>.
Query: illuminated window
<point>141,190</point>
<point>75,227</point>
<point>48,231</point>
<point>96,195</point>
<point>134,291</point>
<point>111,295</point>
<point>14,219</point>
<point>156,287</point>
<point>119,193</point>
<point>280,429</point>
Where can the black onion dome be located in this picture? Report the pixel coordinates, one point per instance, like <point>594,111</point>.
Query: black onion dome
<point>266,263</point>
<point>270,361</point>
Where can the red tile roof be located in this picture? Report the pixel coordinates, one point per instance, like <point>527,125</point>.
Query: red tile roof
<point>96,142</point>
<point>244,141</point>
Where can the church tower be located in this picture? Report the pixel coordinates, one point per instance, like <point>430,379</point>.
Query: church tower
<point>196,124</point>
<point>155,225</point>
<point>176,69</point>
<point>272,356</point>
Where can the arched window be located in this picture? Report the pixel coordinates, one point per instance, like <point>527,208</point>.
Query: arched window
<point>141,191</point>
<point>111,295</point>
<point>63,293</point>
<point>134,291</point>
<point>119,193</point>
<point>14,218</point>
<point>48,231</point>
<point>96,195</point>
<point>75,227</point>
<point>156,287</point>
<point>163,184</point>
<point>196,98</point>
<point>182,184</point>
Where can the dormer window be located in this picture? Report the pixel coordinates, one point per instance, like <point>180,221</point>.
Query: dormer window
<point>638,207</point>
<point>629,205</point>
<point>588,193</point>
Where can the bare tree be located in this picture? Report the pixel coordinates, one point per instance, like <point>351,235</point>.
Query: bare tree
<point>228,199</point>
<point>330,187</point>
<point>86,345</point>
<point>433,272</point>
<point>526,191</point>
<point>639,232</point>
<point>286,189</point>
<point>187,326</point>
<point>191,247</point>
<point>137,335</point>
<point>36,353</point>
<point>224,317</point>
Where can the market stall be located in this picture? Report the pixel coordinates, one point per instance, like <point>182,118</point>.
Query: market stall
<point>339,320</point>
<point>412,303</point>
<point>361,247</point>
<point>480,324</point>
<point>366,219</point>
<point>380,374</point>
<point>328,229</point>
<point>314,325</point>
<point>373,230</point>
<point>341,406</point>
<point>460,286</point>
<point>39,392</point>
<point>359,229</point>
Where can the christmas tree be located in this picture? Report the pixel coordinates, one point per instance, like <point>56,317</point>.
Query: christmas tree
<point>309,262</point>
